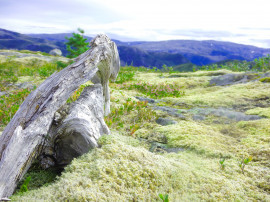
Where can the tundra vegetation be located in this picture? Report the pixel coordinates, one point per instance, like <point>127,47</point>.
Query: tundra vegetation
<point>199,157</point>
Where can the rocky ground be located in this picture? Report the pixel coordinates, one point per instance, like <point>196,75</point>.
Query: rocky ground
<point>24,56</point>
<point>175,145</point>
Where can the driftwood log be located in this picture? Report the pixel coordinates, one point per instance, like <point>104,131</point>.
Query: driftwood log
<point>23,139</point>
<point>75,129</point>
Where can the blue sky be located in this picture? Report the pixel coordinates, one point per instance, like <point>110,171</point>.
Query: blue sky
<point>240,21</point>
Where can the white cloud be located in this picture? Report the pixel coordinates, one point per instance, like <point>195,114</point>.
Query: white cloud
<point>242,21</point>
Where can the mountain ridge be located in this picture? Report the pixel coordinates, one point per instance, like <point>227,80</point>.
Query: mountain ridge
<point>144,53</point>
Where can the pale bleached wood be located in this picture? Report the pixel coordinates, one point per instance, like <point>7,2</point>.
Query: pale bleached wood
<point>21,140</point>
<point>76,128</point>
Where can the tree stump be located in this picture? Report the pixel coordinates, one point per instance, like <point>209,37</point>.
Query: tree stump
<point>22,140</point>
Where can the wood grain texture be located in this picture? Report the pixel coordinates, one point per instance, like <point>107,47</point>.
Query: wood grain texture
<point>20,142</point>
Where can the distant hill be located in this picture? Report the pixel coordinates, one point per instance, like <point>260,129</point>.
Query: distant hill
<point>204,52</point>
<point>47,42</point>
<point>143,53</point>
<point>56,37</point>
<point>197,52</point>
<point>14,40</point>
<point>138,57</point>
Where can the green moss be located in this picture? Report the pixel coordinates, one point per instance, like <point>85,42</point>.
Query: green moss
<point>264,112</point>
<point>266,79</point>
<point>38,178</point>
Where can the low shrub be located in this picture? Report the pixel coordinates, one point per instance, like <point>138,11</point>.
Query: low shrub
<point>156,90</point>
<point>125,76</point>
<point>9,104</point>
<point>261,64</point>
<point>136,113</point>
<point>76,94</point>
<point>11,70</point>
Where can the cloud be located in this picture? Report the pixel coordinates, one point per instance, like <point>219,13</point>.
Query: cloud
<point>242,21</point>
<point>58,12</point>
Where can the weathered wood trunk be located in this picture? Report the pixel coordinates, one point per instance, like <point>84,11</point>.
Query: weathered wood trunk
<point>76,128</point>
<point>21,141</point>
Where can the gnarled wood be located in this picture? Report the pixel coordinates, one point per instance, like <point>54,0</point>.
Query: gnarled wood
<point>107,69</point>
<point>21,140</point>
<point>76,128</point>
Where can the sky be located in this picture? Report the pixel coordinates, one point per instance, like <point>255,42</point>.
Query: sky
<point>240,21</point>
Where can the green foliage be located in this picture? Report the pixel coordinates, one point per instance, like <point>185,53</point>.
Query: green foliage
<point>165,68</point>
<point>259,65</point>
<point>244,162</point>
<point>61,65</point>
<point>11,70</point>
<point>47,69</point>
<point>41,178</point>
<point>9,104</point>
<point>139,69</point>
<point>221,163</point>
<point>125,76</point>
<point>164,198</point>
<point>76,94</point>
<point>37,177</point>
<point>156,90</point>
<point>266,80</point>
<point>262,64</point>
<point>8,74</point>
<point>235,66</point>
<point>187,67</point>
<point>155,68</point>
<point>76,44</point>
<point>24,187</point>
<point>137,112</point>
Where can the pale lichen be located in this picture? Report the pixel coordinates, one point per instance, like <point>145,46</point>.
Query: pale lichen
<point>124,170</point>
<point>217,96</point>
<point>120,172</point>
<point>201,138</point>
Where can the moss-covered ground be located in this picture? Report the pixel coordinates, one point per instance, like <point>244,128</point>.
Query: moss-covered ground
<point>124,168</point>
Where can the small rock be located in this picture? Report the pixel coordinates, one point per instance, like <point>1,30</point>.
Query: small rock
<point>171,111</point>
<point>2,93</point>
<point>25,85</point>
<point>200,113</point>
<point>265,75</point>
<point>162,148</point>
<point>56,52</point>
<point>157,137</point>
<point>165,122</point>
<point>197,117</point>
<point>149,100</point>
<point>228,79</point>
<point>174,150</point>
